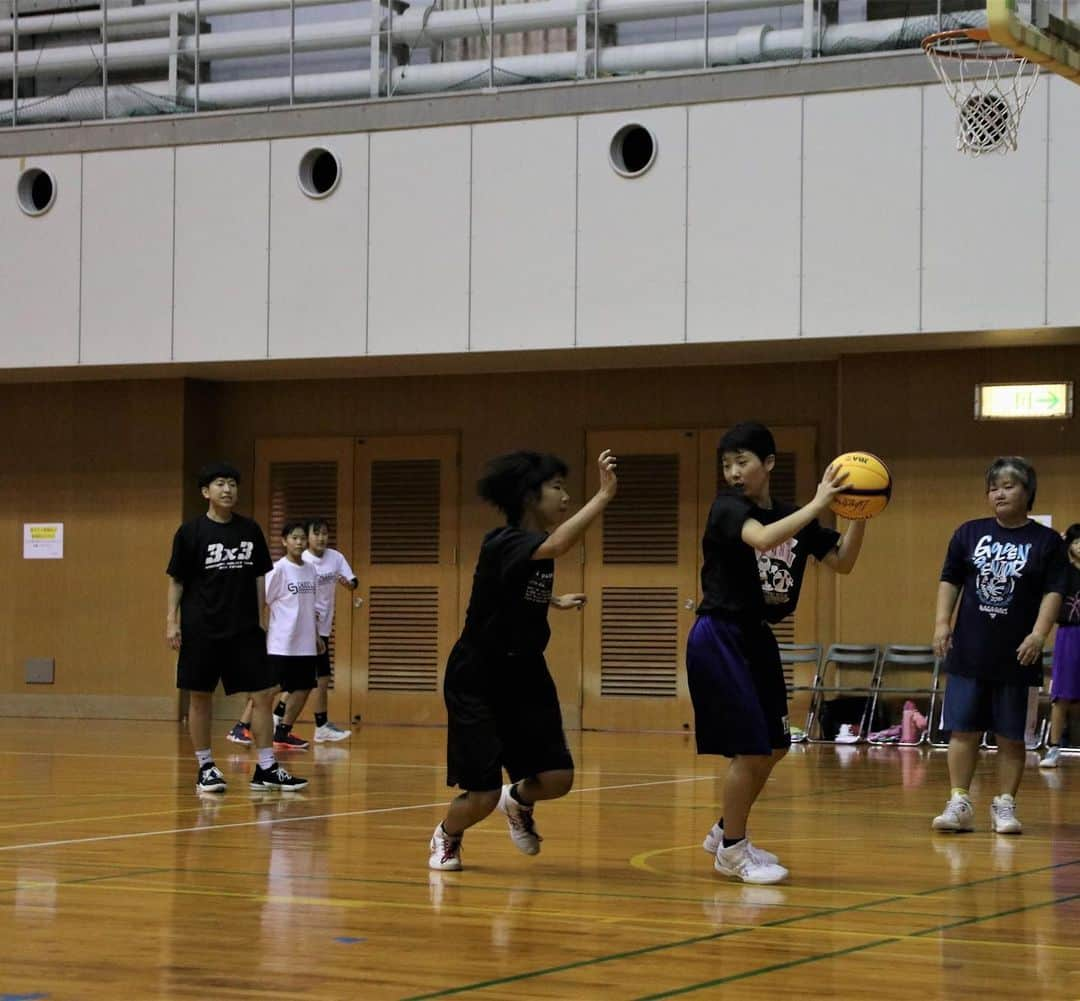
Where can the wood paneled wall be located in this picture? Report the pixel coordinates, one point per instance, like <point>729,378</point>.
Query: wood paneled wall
<point>115,462</point>
<point>548,411</point>
<point>106,459</point>
<point>916,411</point>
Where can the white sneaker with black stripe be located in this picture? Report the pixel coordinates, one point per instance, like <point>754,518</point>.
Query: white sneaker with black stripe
<point>714,841</point>
<point>742,862</point>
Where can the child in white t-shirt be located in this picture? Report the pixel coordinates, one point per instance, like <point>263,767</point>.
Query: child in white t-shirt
<point>293,644</point>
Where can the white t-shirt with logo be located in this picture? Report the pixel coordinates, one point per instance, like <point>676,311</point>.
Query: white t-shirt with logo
<point>331,567</point>
<point>290,596</point>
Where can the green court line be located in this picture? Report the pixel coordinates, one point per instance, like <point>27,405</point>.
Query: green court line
<point>762,970</point>
<point>818,957</point>
<point>742,930</point>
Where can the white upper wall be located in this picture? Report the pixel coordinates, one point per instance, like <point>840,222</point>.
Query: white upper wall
<point>823,215</point>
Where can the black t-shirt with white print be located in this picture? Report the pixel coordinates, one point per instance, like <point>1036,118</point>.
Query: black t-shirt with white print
<point>1004,574</point>
<point>508,608</point>
<point>218,564</point>
<point>739,582</point>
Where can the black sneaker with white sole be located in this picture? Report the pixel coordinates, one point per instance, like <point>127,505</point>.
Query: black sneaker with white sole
<point>210,779</point>
<point>276,778</point>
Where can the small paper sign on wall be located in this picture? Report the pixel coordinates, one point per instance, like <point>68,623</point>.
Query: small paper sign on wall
<point>43,542</point>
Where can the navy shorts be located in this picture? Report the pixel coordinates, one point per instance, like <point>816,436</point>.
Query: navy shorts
<point>975,706</point>
<point>323,668</point>
<point>293,674</point>
<point>737,687</point>
<point>501,715</point>
<point>238,662</point>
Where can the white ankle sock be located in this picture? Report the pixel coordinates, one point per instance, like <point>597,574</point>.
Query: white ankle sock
<point>266,758</point>
<point>204,757</point>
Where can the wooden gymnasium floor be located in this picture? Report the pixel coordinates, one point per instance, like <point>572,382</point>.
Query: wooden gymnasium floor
<point>117,882</point>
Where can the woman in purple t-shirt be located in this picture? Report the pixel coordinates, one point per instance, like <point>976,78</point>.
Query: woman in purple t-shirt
<point>1065,686</point>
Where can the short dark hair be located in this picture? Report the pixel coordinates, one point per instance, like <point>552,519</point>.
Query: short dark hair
<point>215,470</point>
<point>1024,470</point>
<point>1072,533</point>
<point>291,526</point>
<point>312,523</point>
<point>750,436</point>
<point>509,480</point>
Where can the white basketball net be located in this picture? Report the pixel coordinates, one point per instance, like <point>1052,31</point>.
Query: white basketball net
<point>988,86</point>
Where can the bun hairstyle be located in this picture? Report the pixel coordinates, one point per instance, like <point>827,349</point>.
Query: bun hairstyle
<point>510,480</point>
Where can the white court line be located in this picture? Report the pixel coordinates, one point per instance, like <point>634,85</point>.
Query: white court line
<point>297,820</point>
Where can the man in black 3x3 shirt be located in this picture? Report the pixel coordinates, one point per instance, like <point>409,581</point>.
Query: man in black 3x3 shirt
<point>215,608</point>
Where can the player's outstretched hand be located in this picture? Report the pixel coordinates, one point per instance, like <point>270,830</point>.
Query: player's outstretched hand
<point>609,482</point>
<point>569,600</point>
<point>833,482</point>
<point>1030,651</point>
<point>942,640</point>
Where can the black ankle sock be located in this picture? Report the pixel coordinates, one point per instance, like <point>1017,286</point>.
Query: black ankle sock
<point>281,731</point>
<point>279,709</point>
<point>516,796</point>
<point>728,842</point>
<point>320,719</point>
<point>720,823</point>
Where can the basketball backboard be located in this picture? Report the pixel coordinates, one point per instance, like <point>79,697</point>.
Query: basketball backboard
<point>1038,32</point>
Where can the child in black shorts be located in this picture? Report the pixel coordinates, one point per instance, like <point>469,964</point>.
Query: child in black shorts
<point>216,596</point>
<point>502,707</point>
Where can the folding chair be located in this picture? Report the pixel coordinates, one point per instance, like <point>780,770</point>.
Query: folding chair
<point>905,659</point>
<point>791,655</point>
<point>848,670</point>
<point>936,735</point>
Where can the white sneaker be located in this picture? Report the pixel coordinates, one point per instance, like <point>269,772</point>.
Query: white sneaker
<point>1003,816</point>
<point>847,734</point>
<point>714,840</point>
<point>329,732</point>
<point>957,816</point>
<point>742,862</point>
<point>1051,758</point>
<point>520,821</point>
<point>445,850</point>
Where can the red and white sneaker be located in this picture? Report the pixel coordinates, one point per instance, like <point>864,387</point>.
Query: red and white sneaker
<point>445,851</point>
<point>519,819</point>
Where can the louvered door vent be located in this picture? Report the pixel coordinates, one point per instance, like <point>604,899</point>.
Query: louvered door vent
<point>403,639</point>
<point>641,525</point>
<point>405,503</point>
<point>298,491</point>
<point>639,641</point>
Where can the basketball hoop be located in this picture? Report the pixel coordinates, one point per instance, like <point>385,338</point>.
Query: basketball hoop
<point>987,84</point>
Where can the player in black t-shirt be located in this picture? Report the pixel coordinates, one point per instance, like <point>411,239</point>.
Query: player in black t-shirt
<point>755,551</point>
<point>1008,574</point>
<point>215,607</point>
<point>501,702</point>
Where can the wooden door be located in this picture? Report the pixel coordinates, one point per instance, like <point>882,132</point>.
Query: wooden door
<point>406,527</point>
<point>794,480</point>
<point>640,576</point>
<point>300,478</point>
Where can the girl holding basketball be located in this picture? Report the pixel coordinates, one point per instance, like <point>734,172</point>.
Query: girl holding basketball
<point>756,550</point>
<point>1007,574</point>
<point>502,707</point>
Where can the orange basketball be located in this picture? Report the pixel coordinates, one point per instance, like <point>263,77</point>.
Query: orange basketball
<point>868,488</point>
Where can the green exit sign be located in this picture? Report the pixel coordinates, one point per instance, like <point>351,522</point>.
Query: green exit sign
<point>1013,401</point>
